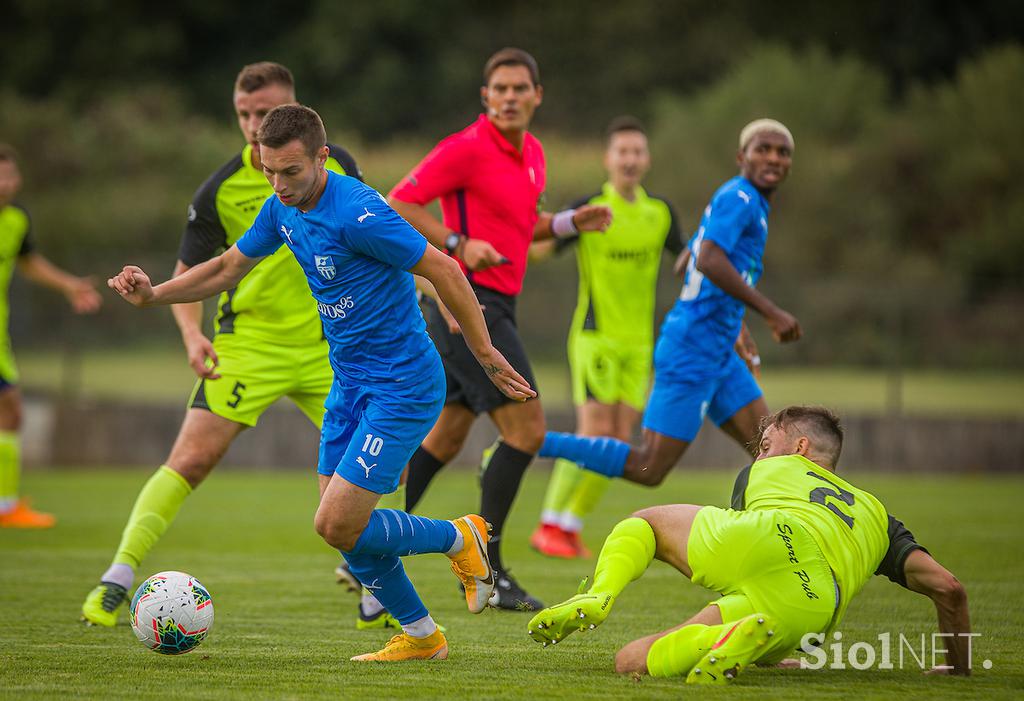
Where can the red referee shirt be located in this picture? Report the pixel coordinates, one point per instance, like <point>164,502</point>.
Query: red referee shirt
<point>488,190</point>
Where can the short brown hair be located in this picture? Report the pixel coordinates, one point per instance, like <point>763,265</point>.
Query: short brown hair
<point>8,154</point>
<point>819,424</point>
<point>511,56</point>
<point>259,75</point>
<point>286,123</point>
<point>624,123</point>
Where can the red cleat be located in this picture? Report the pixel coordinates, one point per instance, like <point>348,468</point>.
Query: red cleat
<point>552,541</point>
<point>580,548</point>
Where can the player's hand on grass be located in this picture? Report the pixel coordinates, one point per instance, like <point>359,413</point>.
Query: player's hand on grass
<point>133,285</point>
<point>592,217</point>
<point>202,358</point>
<point>785,328</point>
<point>83,297</point>
<point>480,255</point>
<point>946,670</point>
<point>504,377</point>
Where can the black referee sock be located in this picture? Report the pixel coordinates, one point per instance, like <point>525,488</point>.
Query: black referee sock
<point>499,487</point>
<point>422,468</point>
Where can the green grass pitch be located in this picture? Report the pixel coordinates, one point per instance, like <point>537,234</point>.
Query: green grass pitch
<point>284,630</point>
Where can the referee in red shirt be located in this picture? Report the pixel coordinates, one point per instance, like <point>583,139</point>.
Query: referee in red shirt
<point>490,178</point>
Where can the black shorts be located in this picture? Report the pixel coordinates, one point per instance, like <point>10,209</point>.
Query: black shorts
<point>467,382</point>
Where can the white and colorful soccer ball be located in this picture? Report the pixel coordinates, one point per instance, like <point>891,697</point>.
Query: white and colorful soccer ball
<point>171,612</point>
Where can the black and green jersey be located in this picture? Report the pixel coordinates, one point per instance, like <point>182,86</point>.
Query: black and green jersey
<point>618,269</point>
<point>273,302</point>
<point>15,242</point>
<point>852,528</point>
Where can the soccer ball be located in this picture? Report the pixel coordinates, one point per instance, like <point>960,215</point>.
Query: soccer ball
<point>171,613</point>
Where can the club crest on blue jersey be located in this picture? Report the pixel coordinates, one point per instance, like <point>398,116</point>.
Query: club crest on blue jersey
<point>325,266</point>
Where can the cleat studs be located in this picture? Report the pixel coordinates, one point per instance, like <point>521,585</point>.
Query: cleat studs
<point>544,644</point>
<point>712,660</point>
<point>696,670</point>
<point>771,633</point>
<point>592,626</point>
<point>760,621</point>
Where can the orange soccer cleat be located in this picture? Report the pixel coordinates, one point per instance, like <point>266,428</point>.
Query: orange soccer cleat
<point>22,516</point>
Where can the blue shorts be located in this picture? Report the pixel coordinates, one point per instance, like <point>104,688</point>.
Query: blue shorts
<point>370,432</point>
<point>686,389</point>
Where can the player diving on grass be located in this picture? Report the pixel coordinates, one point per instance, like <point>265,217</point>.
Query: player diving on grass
<point>268,340</point>
<point>18,250</point>
<point>797,545</point>
<point>357,255</point>
<point>697,370</point>
<point>612,334</point>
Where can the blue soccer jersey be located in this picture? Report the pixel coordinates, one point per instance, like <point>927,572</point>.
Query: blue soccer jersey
<point>355,251</point>
<point>705,320</point>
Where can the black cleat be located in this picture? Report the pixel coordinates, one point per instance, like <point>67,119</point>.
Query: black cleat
<point>510,596</point>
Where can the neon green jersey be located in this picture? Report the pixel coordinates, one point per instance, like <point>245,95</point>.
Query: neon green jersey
<point>15,242</point>
<point>618,269</point>
<point>849,525</point>
<point>273,302</point>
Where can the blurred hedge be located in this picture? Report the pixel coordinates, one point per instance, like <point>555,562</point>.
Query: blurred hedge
<point>899,237</point>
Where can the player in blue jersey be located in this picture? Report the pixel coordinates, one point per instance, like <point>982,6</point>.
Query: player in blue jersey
<point>697,369</point>
<point>389,385</point>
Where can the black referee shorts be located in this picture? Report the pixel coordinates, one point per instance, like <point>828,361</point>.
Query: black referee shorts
<point>468,384</point>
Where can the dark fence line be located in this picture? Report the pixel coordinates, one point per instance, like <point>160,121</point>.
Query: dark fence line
<point>94,433</point>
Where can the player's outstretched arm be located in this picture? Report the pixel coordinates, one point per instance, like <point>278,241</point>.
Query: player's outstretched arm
<point>716,267</point>
<point>926,576</point>
<point>454,291</point>
<point>79,291</point>
<point>569,222</point>
<point>204,280</point>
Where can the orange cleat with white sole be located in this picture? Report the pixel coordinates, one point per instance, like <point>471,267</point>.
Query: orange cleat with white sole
<point>22,516</point>
<point>404,647</point>
<point>471,564</point>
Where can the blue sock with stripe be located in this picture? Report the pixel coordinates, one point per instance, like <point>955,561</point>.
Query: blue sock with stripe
<point>605,456</point>
<point>385,578</point>
<point>394,532</point>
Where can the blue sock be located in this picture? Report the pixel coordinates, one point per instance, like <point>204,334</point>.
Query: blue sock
<point>394,532</point>
<point>385,578</point>
<point>605,456</point>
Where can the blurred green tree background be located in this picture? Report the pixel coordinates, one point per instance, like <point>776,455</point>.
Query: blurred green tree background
<point>899,237</point>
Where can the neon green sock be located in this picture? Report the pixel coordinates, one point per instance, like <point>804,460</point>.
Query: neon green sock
<point>395,500</point>
<point>680,650</point>
<point>588,491</point>
<point>10,467</point>
<point>154,510</point>
<point>627,552</point>
<point>564,477</point>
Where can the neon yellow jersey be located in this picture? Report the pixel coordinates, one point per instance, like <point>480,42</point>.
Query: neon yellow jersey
<point>15,242</point>
<point>618,269</point>
<point>850,525</point>
<point>272,303</point>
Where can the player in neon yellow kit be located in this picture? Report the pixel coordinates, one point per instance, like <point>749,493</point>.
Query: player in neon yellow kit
<point>611,339</point>
<point>17,250</point>
<point>788,558</point>
<point>268,340</point>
